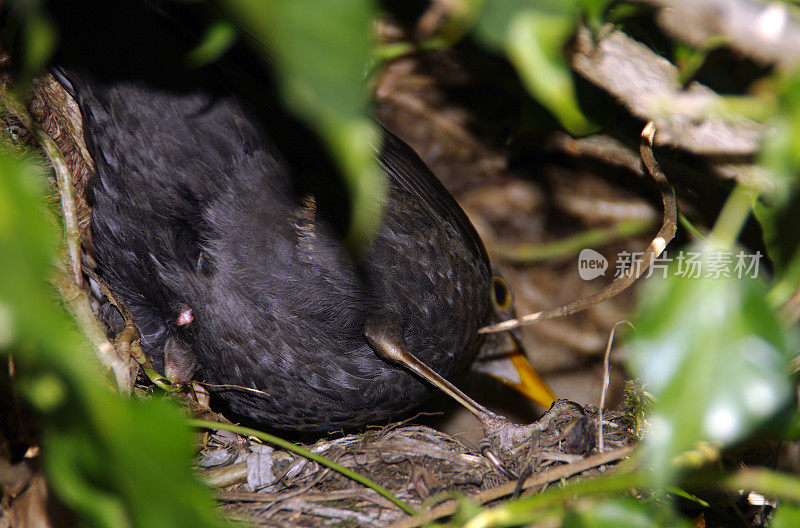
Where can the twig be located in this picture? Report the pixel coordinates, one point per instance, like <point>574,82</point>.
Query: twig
<point>604,390</point>
<point>63,178</point>
<point>328,512</point>
<point>334,495</point>
<point>599,146</point>
<point>128,344</point>
<point>79,304</point>
<point>127,341</point>
<point>235,387</point>
<point>106,290</point>
<point>67,198</point>
<point>224,476</point>
<point>663,237</point>
<point>542,479</point>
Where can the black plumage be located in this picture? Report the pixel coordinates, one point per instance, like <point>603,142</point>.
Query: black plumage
<point>226,244</point>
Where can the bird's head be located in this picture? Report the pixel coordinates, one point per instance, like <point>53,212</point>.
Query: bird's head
<point>502,356</point>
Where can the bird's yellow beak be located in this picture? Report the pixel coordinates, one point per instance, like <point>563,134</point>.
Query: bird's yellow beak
<point>508,364</point>
<point>531,384</point>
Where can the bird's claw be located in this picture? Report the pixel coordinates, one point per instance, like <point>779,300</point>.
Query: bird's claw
<point>487,450</point>
<point>506,435</point>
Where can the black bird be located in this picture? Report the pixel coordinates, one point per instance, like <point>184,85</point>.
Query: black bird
<point>226,244</point>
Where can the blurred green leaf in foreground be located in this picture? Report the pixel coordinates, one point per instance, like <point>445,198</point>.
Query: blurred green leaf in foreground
<point>787,516</point>
<point>117,463</point>
<point>622,512</point>
<point>322,51</point>
<point>715,356</point>
<point>533,35</point>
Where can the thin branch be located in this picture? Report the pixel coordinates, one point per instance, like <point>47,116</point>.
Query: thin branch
<point>538,481</point>
<point>58,114</point>
<point>599,146</point>
<point>106,290</point>
<point>64,179</point>
<point>67,198</point>
<point>78,302</point>
<point>606,379</point>
<point>621,283</point>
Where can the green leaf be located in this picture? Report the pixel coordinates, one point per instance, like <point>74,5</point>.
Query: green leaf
<point>535,44</point>
<point>594,11</point>
<point>37,36</point>
<point>778,210</point>
<point>780,152</point>
<point>40,41</point>
<point>117,463</point>
<point>322,51</point>
<point>622,513</point>
<point>783,244</point>
<point>495,16</point>
<point>689,59</point>
<point>786,516</point>
<point>533,35</point>
<point>218,39</point>
<point>714,355</point>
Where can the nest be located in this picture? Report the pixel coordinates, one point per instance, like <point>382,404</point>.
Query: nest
<point>421,466</point>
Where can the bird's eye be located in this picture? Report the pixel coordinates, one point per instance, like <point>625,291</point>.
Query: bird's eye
<point>501,293</point>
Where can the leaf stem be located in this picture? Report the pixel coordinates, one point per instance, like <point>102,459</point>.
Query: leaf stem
<point>733,216</point>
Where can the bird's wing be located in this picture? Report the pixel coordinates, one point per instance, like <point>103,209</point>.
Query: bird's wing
<point>406,169</point>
